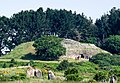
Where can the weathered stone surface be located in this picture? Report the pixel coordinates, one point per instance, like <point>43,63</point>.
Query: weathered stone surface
<point>51,75</point>
<point>74,48</point>
<point>31,72</point>
<point>113,79</point>
<point>38,73</point>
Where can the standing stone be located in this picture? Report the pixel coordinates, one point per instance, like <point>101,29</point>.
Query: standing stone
<point>30,72</point>
<point>113,79</point>
<point>51,75</point>
<point>38,73</point>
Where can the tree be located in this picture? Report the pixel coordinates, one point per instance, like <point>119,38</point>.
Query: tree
<point>103,29</point>
<point>49,47</point>
<point>114,21</point>
<point>108,24</point>
<point>4,35</point>
<point>29,25</point>
<point>112,44</point>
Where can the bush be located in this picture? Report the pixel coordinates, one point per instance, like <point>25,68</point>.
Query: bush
<point>11,65</point>
<point>115,71</point>
<point>4,65</point>
<point>63,65</point>
<point>72,74</point>
<point>104,59</point>
<point>102,75</point>
<point>74,77</point>
<point>87,67</point>
<point>71,71</point>
<point>12,60</point>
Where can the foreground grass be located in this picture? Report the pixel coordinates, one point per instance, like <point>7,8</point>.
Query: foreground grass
<point>37,80</point>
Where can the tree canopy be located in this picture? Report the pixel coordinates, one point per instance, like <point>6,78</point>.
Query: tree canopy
<point>104,59</point>
<point>29,25</point>
<point>49,48</point>
<point>112,44</point>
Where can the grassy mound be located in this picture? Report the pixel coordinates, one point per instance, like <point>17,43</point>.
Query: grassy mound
<point>22,50</point>
<point>73,49</point>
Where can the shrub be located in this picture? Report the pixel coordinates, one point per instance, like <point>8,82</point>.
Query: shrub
<point>72,74</point>
<point>104,59</point>
<point>71,71</point>
<point>87,67</point>
<point>115,71</point>
<point>12,60</point>
<point>74,77</point>
<point>63,65</point>
<point>4,65</point>
<point>102,75</point>
<point>11,65</point>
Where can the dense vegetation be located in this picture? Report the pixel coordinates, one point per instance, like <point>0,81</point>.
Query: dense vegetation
<point>74,71</point>
<point>49,48</point>
<point>29,25</point>
<point>106,59</point>
<point>33,25</point>
<point>112,44</point>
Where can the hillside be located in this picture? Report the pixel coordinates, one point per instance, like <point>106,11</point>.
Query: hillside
<point>73,49</point>
<point>21,50</point>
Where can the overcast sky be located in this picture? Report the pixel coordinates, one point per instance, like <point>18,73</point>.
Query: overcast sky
<point>91,8</point>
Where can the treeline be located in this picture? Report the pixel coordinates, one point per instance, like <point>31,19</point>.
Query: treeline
<point>29,25</point>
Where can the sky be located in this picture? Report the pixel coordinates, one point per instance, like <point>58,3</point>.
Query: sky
<point>91,8</point>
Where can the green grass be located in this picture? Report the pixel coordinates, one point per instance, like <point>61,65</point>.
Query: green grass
<point>87,70</point>
<point>21,50</point>
<point>21,60</point>
<point>36,80</point>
